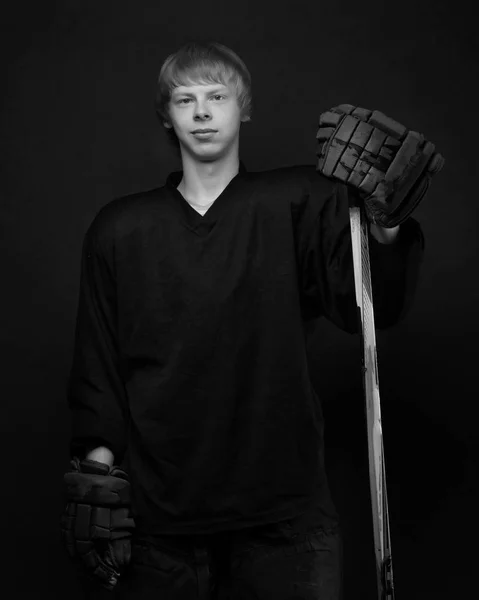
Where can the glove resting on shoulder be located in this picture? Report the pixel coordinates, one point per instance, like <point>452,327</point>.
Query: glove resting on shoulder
<point>390,166</point>
<point>97,525</point>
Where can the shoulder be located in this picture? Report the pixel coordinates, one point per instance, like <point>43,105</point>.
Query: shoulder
<point>303,178</point>
<point>123,214</point>
<point>303,188</point>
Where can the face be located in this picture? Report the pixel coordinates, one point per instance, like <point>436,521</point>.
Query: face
<point>209,106</point>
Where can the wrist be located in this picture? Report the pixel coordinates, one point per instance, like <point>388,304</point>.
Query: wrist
<point>384,235</point>
<point>102,455</point>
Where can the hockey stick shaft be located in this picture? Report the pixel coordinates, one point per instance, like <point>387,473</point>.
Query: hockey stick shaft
<point>377,471</point>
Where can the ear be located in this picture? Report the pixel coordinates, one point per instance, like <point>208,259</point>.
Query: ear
<point>167,125</point>
<point>245,119</point>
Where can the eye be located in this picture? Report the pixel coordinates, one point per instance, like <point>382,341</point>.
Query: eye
<point>215,96</point>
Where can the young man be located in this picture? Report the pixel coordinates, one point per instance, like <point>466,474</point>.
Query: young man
<point>190,362</point>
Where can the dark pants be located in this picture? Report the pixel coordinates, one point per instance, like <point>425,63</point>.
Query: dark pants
<point>291,560</point>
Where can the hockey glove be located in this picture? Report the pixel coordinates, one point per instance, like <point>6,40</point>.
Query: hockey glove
<point>390,166</point>
<point>97,525</point>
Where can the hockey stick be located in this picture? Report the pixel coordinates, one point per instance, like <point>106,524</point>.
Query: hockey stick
<point>377,471</point>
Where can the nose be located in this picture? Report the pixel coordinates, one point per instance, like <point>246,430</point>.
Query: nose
<point>201,112</point>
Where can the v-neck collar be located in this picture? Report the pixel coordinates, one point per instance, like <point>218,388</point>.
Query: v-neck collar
<point>191,217</point>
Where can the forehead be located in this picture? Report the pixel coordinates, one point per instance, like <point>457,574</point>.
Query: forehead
<point>199,88</point>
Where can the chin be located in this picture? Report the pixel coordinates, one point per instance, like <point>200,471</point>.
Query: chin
<point>206,154</point>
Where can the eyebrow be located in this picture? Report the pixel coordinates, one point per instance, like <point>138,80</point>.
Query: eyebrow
<point>216,89</point>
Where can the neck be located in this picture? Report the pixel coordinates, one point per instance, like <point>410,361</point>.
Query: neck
<point>203,182</point>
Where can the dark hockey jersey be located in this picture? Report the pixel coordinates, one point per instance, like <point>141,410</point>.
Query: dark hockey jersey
<point>190,358</point>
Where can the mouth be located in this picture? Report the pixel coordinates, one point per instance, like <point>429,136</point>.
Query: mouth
<point>203,131</point>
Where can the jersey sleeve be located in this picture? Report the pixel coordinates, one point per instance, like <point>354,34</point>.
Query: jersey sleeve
<point>96,393</point>
<point>325,260</point>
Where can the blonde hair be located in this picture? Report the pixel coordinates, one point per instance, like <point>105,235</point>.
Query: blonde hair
<point>203,63</point>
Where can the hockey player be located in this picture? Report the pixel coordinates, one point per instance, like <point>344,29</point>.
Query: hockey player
<point>197,443</point>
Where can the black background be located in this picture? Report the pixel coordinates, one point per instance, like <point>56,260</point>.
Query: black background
<point>78,128</point>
